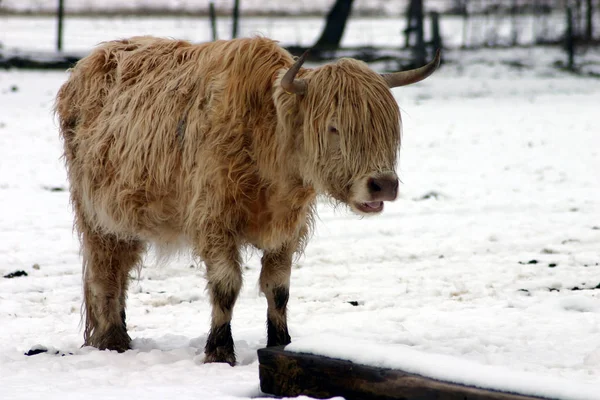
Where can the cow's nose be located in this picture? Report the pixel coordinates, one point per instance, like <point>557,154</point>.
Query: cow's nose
<point>383,188</point>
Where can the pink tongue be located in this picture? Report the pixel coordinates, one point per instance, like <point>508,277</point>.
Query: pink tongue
<point>373,204</point>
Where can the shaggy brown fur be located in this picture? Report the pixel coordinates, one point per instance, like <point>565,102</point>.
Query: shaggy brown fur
<point>167,142</point>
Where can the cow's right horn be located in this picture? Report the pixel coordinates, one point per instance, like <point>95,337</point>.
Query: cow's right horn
<point>289,83</point>
<point>404,78</point>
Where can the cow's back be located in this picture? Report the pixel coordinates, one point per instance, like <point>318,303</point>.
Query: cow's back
<point>148,123</point>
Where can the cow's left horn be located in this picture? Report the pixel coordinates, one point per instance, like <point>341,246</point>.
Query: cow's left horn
<point>404,78</point>
<point>289,83</point>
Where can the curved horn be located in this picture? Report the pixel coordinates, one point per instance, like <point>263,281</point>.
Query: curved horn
<point>289,83</point>
<point>404,78</point>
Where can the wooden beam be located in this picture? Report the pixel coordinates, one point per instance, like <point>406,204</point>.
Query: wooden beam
<point>284,373</point>
<point>34,61</point>
<point>55,60</point>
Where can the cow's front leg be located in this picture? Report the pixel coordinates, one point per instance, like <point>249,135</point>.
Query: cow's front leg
<point>224,275</point>
<point>275,284</point>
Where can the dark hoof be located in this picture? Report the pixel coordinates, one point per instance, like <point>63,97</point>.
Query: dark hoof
<point>119,347</point>
<point>219,346</point>
<point>115,338</point>
<point>220,355</point>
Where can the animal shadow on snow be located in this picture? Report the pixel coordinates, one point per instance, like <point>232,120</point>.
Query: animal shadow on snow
<point>185,348</point>
<point>162,350</point>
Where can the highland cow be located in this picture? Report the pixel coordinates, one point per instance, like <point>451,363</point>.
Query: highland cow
<point>218,146</point>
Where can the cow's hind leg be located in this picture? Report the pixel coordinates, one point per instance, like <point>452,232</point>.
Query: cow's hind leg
<point>107,263</point>
<point>275,284</point>
<point>224,275</point>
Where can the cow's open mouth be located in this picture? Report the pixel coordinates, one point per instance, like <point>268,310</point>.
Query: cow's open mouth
<point>370,206</point>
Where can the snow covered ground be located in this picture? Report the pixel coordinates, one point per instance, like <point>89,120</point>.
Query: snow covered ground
<point>497,223</point>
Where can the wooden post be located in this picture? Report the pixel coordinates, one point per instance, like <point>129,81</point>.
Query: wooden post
<point>420,52</point>
<point>513,20</point>
<point>60,16</point>
<point>534,26</point>
<point>578,18</point>
<point>236,17</point>
<point>335,25</point>
<point>589,31</point>
<point>465,16</point>
<point>414,25</point>
<point>569,39</point>
<point>436,40</point>
<point>213,20</point>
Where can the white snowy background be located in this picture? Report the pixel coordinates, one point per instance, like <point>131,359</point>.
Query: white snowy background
<point>500,166</point>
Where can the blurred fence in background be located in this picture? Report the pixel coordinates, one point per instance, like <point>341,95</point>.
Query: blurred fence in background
<point>464,23</point>
<point>31,25</point>
<point>284,7</point>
